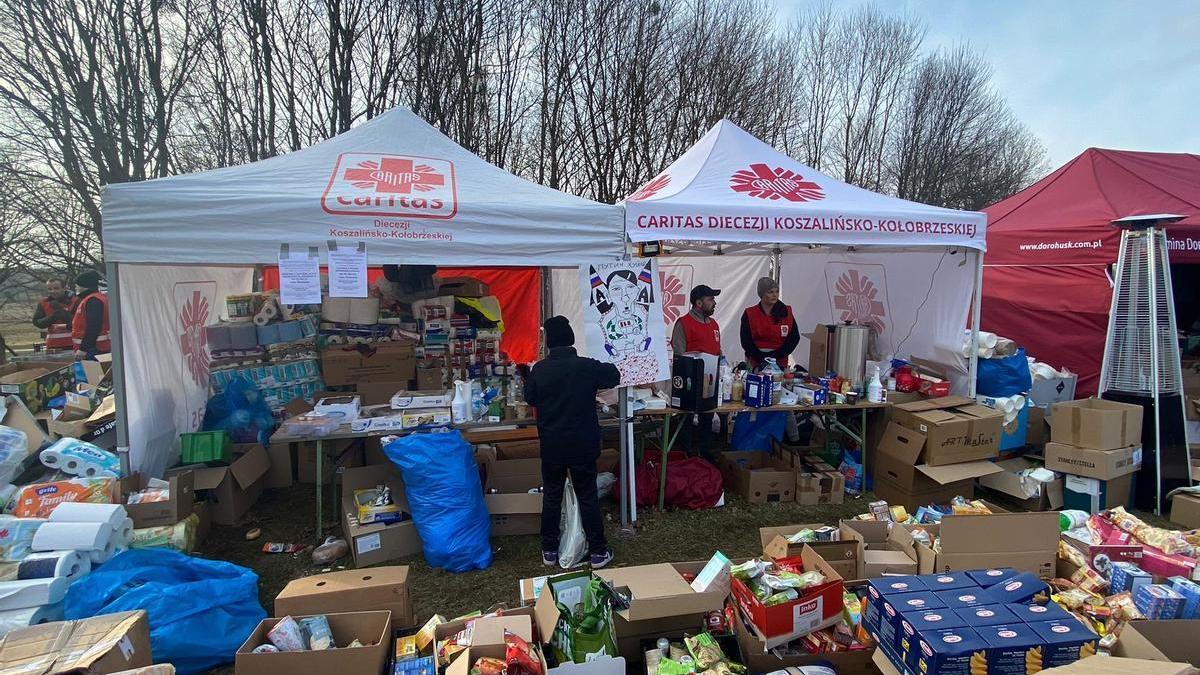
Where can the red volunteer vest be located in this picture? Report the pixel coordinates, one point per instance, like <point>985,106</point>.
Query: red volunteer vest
<point>79,324</point>
<point>701,337</point>
<point>58,335</point>
<point>768,332</point>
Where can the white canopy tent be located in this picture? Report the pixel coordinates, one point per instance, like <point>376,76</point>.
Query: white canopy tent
<point>839,252</point>
<point>176,246</point>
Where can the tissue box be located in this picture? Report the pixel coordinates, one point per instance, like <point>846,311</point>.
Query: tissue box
<point>1191,596</point>
<point>1128,577</point>
<point>345,408</point>
<point>1158,601</point>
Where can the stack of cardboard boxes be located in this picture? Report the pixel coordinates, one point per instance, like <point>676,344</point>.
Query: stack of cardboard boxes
<point>1097,444</point>
<point>934,449</point>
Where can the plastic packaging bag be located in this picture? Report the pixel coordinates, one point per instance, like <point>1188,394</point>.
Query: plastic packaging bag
<point>851,468</point>
<point>241,411</point>
<point>604,484</point>
<point>200,611</point>
<point>754,431</point>
<point>446,499</point>
<point>13,449</point>
<point>572,542</point>
<point>1005,376</point>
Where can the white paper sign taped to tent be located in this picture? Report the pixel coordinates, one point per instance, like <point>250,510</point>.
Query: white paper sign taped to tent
<point>623,319</point>
<point>347,270</point>
<point>299,277</point>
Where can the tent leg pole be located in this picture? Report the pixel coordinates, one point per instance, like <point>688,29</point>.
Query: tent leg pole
<point>117,337</point>
<point>977,303</point>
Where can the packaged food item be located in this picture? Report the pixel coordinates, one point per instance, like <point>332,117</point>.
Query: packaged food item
<point>1071,554</point>
<point>1089,580</point>
<point>851,609</point>
<point>281,547</point>
<point>1167,541</point>
<point>880,510</point>
<point>899,514</point>
<point>1123,607</point>
<point>673,667</point>
<point>455,644</point>
<point>760,589</point>
<point>520,656</point>
<point>265,649</point>
<point>406,648</point>
<point>781,597</point>
<point>39,499</point>
<point>150,496</point>
<point>180,537</point>
<point>288,636</point>
<point>751,569</point>
<point>1073,598</point>
<point>704,650</point>
<point>489,666</point>
<point>425,635</point>
<point>320,637</point>
<point>921,535</point>
<point>805,536</point>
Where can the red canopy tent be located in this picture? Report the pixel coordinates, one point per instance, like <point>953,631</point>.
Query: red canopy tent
<point>1045,280</point>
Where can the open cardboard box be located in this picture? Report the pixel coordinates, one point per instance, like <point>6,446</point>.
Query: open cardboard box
<point>899,479</point>
<point>817,607</point>
<point>514,510</point>
<point>660,591</point>
<point>1185,510</point>
<point>154,514</point>
<point>37,382</point>
<point>1026,542</point>
<point>955,429</point>
<point>1168,640</point>
<point>372,629</point>
<point>487,637</point>
<point>758,477</point>
<point>376,543</point>
<point>1031,495</point>
<point>15,414</point>
<point>107,643</point>
<point>842,556</point>
<point>280,473</point>
<point>231,490</point>
<point>1096,423</point>
<point>757,657</point>
<point>884,550</point>
<point>376,588</point>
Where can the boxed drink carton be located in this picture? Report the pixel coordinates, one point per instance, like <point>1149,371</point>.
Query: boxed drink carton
<point>1096,423</point>
<point>956,429</point>
<point>1064,642</point>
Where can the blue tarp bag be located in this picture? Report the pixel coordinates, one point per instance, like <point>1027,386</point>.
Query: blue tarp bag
<point>240,411</point>
<point>755,430</point>
<point>1004,376</point>
<point>200,611</point>
<point>441,482</point>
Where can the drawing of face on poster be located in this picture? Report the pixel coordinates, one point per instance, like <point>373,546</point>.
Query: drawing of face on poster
<point>622,299</point>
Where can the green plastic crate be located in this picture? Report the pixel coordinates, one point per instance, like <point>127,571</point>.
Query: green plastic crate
<point>202,447</point>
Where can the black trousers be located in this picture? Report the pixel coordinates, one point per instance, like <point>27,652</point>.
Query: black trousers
<point>697,441</point>
<point>583,479</point>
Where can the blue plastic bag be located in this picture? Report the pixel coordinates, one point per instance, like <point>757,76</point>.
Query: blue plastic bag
<point>241,411</point>
<point>1004,376</point>
<point>200,611</point>
<point>754,430</point>
<point>441,482</point>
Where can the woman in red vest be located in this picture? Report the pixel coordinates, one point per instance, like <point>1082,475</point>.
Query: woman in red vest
<point>768,328</point>
<point>89,328</point>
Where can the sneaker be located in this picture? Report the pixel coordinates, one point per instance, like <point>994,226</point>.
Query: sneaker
<point>601,559</point>
<point>549,558</point>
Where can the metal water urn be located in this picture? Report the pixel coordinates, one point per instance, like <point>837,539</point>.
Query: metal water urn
<point>849,350</point>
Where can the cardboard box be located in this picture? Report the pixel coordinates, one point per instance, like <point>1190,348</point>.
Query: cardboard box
<point>1185,510</point>
<point>1027,542</point>
<point>414,400</point>
<point>900,480</point>
<point>384,362</point>
<point>884,550</point>
<point>1170,640</point>
<point>1121,666</point>
<point>1102,464</point>
<point>842,556</point>
<point>817,607</point>
<point>487,639</point>
<point>155,514</point>
<point>283,466</point>
<point>956,429</point>
<point>1096,423</point>
<point>380,393</point>
<point>231,490</point>
<point>108,643</point>
<point>514,510</point>
<point>37,382</point>
<point>1046,393</point>
<point>1037,432</point>
<point>758,659</point>
<point>431,375</point>
<point>758,477</point>
<point>463,287</point>
<point>372,629</point>
<point>14,413</point>
<point>376,543</point>
<point>659,591</point>
<point>1030,494</point>
<point>377,588</point>
<point>1093,496</point>
<point>816,481</point>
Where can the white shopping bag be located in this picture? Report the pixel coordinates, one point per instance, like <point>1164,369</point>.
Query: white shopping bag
<point>572,542</point>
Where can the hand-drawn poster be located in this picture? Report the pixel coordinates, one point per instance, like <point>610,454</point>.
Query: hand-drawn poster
<point>623,319</point>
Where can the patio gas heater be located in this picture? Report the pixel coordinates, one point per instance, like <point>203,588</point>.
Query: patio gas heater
<point>1141,356</point>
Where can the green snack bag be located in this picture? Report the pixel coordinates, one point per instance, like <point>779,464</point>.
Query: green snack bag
<point>760,589</point>
<point>672,667</point>
<point>781,597</point>
<point>705,650</point>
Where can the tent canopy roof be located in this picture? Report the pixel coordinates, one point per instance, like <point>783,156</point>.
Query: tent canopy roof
<point>732,187</point>
<point>1066,217</point>
<point>395,182</point>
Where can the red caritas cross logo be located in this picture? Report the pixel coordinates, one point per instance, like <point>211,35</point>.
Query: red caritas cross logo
<point>674,297</point>
<point>193,341</point>
<point>650,189</point>
<point>766,183</point>
<point>857,299</point>
<point>371,184</point>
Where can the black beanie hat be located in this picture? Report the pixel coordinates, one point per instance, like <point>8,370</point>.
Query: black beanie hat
<point>88,279</point>
<point>558,332</point>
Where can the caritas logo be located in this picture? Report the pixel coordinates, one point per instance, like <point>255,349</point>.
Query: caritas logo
<point>371,184</point>
<point>764,182</point>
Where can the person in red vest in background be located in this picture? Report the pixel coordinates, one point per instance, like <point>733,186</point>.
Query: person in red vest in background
<point>53,315</point>
<point>768,328</point>
<point>697,331</point>
<point>89,328</point>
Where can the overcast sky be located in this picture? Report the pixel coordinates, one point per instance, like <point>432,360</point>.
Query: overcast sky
<point>1107,73</point>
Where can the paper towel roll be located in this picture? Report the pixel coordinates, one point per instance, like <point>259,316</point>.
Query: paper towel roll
<point>986,352</point>
<point>364,311</point>
<point>125,533</point>
<point>68,564</point>
<point>113,515</point>
<point>335,340</point>
<point>32,592</point>
<point>335,310</point>
<point>29,616</point>
<point>97,536</point>
<point>261,319</point>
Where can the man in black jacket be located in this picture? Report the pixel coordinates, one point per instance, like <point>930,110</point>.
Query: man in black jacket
<point>562,387</point>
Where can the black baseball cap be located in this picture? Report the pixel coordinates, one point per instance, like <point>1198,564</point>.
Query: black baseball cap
<point>703,291</point>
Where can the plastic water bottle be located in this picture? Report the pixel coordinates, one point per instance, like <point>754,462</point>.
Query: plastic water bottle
<point>875,388</point>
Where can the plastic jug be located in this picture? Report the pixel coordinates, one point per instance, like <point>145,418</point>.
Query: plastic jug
<point>875,388</point>
<point>460,406</point>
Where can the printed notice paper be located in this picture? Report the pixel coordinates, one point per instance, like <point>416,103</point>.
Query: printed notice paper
<point>299,277</point>
<point>347,271</point>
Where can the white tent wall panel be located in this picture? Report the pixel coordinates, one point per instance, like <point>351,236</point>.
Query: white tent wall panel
<point>163,311</point>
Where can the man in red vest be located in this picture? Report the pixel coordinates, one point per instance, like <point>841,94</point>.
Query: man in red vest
<point>53,315</point>
<point>768,328</point>
<point>697,331</point>
<point>89,328</point>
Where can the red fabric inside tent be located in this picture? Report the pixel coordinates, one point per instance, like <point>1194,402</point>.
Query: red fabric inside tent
<point>1049,246</point>
<point>518,290</point>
